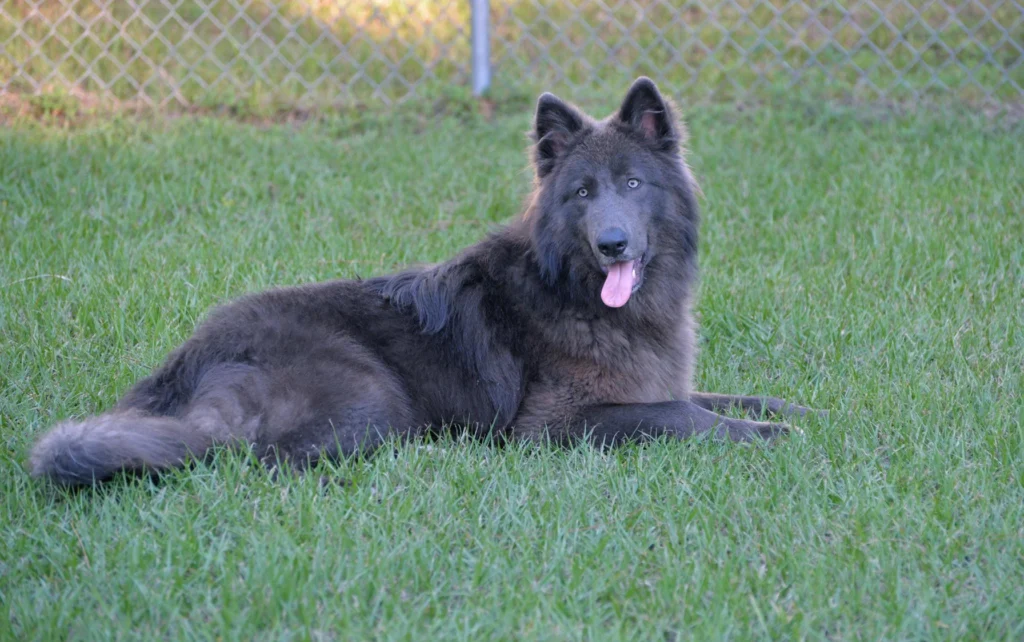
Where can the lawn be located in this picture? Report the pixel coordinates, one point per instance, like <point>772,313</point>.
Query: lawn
<point>870,264</point>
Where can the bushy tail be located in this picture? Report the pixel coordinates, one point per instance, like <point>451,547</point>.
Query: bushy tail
<point>82,453</point>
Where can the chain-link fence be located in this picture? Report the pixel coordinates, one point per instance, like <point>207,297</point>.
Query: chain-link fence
<point>188,52</point>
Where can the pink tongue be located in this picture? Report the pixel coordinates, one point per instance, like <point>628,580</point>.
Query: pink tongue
<point>619,284</point>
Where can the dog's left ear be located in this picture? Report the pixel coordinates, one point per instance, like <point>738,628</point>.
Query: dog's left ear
<point>647,112</point>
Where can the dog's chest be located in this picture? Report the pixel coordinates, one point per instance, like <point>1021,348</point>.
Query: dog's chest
<point>616,365</point>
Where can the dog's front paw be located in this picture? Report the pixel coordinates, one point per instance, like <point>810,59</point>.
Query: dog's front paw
<point>775,407</point>
<point>760,430</point>
<point>781,408</point>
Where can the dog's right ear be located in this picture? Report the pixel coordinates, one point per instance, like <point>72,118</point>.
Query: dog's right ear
<point>554,126</point>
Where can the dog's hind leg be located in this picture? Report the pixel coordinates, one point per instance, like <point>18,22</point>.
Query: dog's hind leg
<point>342,404</point>
<point>337,407</point>
<point>752,406</point>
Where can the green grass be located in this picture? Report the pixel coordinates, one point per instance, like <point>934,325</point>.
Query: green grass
<point>869,265</point>
<point>285,53</point>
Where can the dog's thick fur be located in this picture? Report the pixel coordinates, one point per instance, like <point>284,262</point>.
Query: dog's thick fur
<point>516,335</point>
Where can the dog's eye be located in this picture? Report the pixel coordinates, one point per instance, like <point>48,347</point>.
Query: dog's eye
<point>582,192</point>
<point>633,183</point>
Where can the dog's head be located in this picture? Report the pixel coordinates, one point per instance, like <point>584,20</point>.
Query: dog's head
<point>614,199</point>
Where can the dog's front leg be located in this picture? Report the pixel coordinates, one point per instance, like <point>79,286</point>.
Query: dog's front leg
<point>613,424</point>
<point>751,405</point>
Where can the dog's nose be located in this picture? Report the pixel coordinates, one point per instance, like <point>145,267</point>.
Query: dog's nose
<point>612,242</point>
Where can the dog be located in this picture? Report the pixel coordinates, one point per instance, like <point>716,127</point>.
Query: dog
<point>575,321</point>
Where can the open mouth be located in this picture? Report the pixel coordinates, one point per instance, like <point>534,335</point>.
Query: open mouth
<point>622,280</point>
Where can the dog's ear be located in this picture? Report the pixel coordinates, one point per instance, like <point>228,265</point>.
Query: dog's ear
<point>555,124</point>
<point>648,113</point>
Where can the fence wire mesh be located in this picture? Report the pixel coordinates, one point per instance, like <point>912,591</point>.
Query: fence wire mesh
<point>189,52</point>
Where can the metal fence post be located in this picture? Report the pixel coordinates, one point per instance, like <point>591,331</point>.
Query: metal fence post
<point>481,44</point>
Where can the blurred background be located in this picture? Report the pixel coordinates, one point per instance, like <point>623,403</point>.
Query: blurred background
<point>315,53</point>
